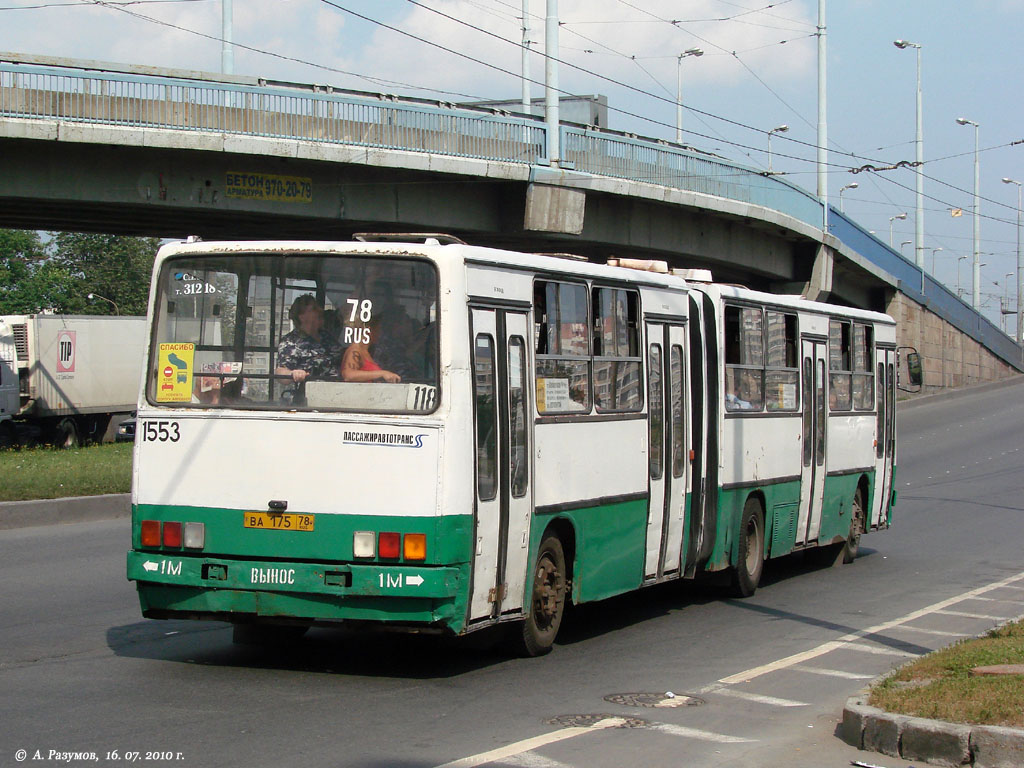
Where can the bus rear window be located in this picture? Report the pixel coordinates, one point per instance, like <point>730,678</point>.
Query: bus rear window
<point>296,332</point>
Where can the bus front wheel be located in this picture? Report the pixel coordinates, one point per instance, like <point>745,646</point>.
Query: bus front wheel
<point>750,555</point>
<point>547,600</point>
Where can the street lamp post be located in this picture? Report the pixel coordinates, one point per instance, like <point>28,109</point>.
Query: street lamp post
<point>976,293</point>
<point>919,141</point>
<point>905,242</point>
<point>933,259</point>
<point>679,90</point>
<point>92,296</point>
<point>959,290</point>
<point>1020,266</point>
<point>777,129</point>
<point>851,185</point>
<point>900,216</point>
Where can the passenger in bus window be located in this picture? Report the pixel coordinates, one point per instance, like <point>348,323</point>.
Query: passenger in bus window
<point>358,364</point>
<point>307,352</point>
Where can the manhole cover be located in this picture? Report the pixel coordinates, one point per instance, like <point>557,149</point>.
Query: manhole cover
<point>588,721</point>
<point>653,700</point>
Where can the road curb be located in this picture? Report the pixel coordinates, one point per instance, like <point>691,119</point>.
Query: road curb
<point>933,741</point>
<point>73,509</point>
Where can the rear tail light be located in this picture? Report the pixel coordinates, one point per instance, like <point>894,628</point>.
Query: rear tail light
<point>172,534</point>
<point>195,535</point>
<point>363,544</point>
<point>415,546</point>
<point>150,533</point>
<point>389,545</point>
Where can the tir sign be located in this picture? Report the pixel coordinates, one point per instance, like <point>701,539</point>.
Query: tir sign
<point>66,352</point>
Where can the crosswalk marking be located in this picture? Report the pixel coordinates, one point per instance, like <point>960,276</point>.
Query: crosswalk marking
<point>972,615</point>
<point>938,632</point>
<point>694,733</point>
<point>760,698</point>
<point>880,650</point>
<point>834,672</point>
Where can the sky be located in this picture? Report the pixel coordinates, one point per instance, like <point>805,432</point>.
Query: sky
<point>758,71</point>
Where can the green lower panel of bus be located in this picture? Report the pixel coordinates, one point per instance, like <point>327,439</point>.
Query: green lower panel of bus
<point>609,543</point>
<point>782,505</point>
<point>219,587</point>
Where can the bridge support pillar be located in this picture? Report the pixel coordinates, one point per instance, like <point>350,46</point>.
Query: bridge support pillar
<point>554,209</point>
<point>819,287</point>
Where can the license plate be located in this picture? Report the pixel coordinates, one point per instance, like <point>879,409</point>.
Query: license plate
<point>279,521</point>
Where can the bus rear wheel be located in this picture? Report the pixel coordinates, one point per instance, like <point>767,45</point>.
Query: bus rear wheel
<point>547,600</point>
<point>750,556</point>
<point>852,544</point>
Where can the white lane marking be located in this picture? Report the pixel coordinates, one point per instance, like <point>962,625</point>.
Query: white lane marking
<point>503,753</point>
<point>996,600</point>
<point>945,612</point>
<point>694,733</point>
<point>833,672</point>
<point>831,645</point>
<point>533,760</point>
<point>937,632</point>
<point>879,650</point>
<point>759,698</point>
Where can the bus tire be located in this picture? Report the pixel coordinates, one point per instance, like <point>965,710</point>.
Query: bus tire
<point>66,434</point>
<point>547,600</point>
<point>851,546</point>
<point>750,553</point>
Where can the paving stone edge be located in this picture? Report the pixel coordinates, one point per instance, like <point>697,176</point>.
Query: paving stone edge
<point>933,741</point>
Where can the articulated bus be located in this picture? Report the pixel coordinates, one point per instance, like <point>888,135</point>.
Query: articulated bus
<point>424,435</point>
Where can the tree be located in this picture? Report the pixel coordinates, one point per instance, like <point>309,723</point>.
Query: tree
<point>115,267</point>
<point>59,275</point>
<point>28,282</point>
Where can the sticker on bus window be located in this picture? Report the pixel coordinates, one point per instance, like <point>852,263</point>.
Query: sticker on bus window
<point>174,373</point>
<point>553,395</point>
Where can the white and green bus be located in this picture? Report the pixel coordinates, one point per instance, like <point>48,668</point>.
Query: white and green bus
<point>468,436</point>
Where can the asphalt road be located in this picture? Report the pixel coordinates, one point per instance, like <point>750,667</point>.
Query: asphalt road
<point>758,682</point>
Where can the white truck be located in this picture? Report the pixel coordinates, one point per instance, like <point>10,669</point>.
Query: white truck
<point>63,377</point>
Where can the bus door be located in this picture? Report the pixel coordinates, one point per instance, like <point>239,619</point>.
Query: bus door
<point>501,411</point>
<point>815,421</point>
<point>885,434</point>
<point>667,417</point>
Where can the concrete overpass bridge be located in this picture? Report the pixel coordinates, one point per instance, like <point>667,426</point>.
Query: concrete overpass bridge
<point>134,150</point>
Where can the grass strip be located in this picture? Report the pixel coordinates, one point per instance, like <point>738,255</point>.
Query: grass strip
<point>939,686</point>
<point>48,473</point>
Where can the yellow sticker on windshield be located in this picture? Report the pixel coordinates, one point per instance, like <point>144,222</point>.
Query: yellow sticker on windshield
<point>174,373</point>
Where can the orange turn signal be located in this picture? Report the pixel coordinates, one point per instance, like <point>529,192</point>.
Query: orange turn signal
<point>415,546</point>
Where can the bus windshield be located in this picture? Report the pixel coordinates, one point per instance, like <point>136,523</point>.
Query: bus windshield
<point>286,331</point>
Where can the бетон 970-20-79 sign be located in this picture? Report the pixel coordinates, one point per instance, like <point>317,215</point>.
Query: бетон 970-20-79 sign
<point>268,186</point>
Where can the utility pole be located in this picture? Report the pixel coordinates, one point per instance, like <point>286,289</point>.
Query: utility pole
<point>551,82</point>
<point>227,53</point>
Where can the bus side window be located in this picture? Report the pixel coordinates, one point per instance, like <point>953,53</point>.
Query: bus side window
<point>486,417</point>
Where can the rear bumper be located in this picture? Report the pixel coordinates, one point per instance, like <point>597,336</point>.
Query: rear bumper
<point>210,587</point>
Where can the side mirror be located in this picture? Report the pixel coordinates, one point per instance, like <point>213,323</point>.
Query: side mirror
<point>915,369</point>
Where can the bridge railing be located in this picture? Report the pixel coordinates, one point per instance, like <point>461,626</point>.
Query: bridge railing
<point>157,102</point>
<point>608,154</point>
<point>320,114</point>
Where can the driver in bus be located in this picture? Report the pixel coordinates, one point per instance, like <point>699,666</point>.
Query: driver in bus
<point>307,352</point>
